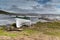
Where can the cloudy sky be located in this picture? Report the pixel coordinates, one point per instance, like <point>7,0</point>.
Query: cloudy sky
<point>31,6</point>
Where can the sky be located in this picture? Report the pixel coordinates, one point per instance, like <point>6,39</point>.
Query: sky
<point>31,6</point>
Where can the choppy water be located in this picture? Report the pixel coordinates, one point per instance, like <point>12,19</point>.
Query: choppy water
<point>6,19</point>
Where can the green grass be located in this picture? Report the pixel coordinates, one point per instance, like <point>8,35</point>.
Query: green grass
<point>25,32</point>
<point>5,33</point>
<point>48,28</point>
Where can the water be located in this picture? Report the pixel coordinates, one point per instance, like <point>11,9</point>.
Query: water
<point>6,19</point>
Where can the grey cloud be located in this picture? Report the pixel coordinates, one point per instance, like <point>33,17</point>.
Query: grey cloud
<point>32,5</point>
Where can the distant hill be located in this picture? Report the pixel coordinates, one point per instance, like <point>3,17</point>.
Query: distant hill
<point>4,12</point>
<point>30,14</point>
